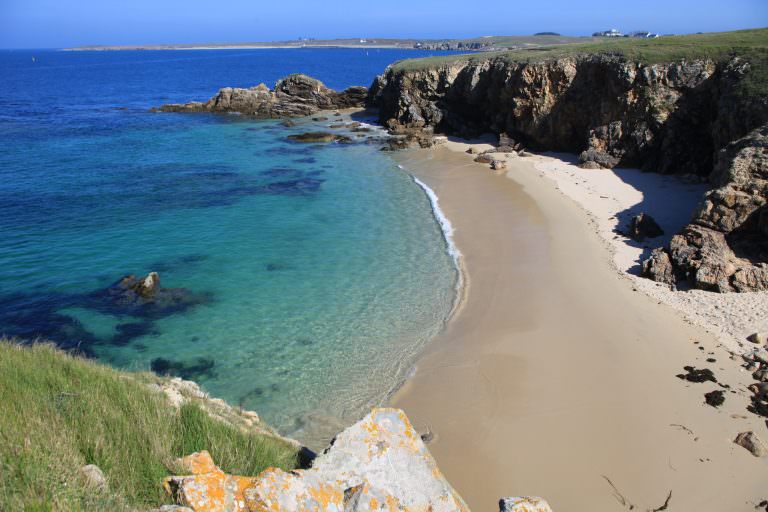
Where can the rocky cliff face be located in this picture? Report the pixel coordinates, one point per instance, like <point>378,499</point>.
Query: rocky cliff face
<point>685,117</point>
<point>293,96</point>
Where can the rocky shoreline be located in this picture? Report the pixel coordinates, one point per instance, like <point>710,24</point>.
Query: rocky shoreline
<point>681,117</point>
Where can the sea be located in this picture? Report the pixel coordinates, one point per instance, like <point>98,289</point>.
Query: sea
<point>306,279</point>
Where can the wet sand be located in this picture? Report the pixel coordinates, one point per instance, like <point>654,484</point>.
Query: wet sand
<point>555,378</point>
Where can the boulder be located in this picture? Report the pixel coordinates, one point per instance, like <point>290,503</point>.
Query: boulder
<point>498,165</point>
<point>659,267</point>
<point>380,462</point>
<point>759,338</point>
<point>293,96</point>
<point>484,158</point>
<point>644,226</point>
<point>524,504</point>
<point>93,477</point>
<point>752,443</point>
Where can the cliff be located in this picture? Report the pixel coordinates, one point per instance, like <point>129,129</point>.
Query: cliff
<point>680,105</point>
<point>293,96</point>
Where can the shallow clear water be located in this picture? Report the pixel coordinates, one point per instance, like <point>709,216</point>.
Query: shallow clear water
<point>314,273</point>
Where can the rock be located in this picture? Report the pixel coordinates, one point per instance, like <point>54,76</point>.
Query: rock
<point>484,158</point>
<point>524,154</point>
<point>506,140</point>
<point>93,477</point>
<point>438,140</point>
<point>314,137</point>
<point>293,96</point>
<point>752,443</point>
<point>498,165</point>
<point>715,398</point>
<point>524,504</point>
<point>603,160</point>
<point>288,123</point>
<point>172,508</point>
<point>659,267</point>
<point>380,462</point>
<point>644,226</point>
<point>760,338</point>
<point>471,151</point>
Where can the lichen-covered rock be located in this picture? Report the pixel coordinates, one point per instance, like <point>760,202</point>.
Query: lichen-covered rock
<point>294,96</point>
<point>524,504</point>
<point>208,488</point>
<point>380,463</point>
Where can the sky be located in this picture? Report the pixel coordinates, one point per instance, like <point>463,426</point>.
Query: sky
<point>64,23</point>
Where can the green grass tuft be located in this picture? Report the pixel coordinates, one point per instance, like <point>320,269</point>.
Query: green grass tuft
<point>58,413</point>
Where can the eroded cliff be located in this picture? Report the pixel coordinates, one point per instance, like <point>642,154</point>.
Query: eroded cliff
<point>691,114</point>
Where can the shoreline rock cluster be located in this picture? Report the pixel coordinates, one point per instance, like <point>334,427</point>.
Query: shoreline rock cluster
<point>682,117</point>
<point>378,463</point>
<point>294,96</point>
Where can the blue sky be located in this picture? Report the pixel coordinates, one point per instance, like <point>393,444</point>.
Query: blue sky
<point>59,23</point>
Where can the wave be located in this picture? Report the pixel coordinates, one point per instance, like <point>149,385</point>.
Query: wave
<point>447,229</point>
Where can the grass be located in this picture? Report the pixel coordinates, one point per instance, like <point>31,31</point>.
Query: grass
<point>58,413</point>
<point>717,46</point>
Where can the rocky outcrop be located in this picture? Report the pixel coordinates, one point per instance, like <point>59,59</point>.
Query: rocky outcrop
<point>692,117</point>
<point>643,226</point>
<point>293,96</point>
<point>725,247</point>
<point>380,463</point>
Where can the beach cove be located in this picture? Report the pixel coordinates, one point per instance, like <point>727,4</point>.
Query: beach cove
<point>556,377</point>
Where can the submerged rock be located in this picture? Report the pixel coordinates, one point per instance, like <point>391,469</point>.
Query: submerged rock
<point>311,137</point>
<point>294,96</point>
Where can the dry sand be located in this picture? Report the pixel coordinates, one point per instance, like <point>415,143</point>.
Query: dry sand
<point>556,378</point>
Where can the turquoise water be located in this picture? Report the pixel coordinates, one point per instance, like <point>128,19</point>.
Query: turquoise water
<point>314,273</point>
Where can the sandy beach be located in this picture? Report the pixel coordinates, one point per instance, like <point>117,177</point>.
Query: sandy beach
<point>557,376</point>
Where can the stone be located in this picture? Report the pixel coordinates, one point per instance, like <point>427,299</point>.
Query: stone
<point>659,267</point>
<point>93,477</point>
<point>313,137</point>
<point>760,338</point>
<point>294,96</point>
<point>752,443</point>
<point>498,165</point>
<point>644,226</point>
<point>484,158</point>
<point>379,463</point>
<point>524,504</point>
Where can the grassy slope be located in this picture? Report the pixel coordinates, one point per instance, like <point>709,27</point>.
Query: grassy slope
<point>58,413</point>
<point>663,49</point>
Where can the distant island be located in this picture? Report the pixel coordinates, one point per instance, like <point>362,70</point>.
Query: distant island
<point>485,43</point>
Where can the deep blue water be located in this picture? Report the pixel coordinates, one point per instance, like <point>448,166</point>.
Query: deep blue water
<point>312,275</point>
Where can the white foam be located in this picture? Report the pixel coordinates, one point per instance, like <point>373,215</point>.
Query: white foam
<point>447,229</point>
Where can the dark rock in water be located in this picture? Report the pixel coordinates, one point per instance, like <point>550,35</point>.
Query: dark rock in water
<point>313,137</point>
<point>130,331</point>
<point>293,96</point>
<point>143,297</point>
<point>302,186</point>
<point>715,398</point>
<point>201,366</point>
<point>274,267</point>
<point>644,226</point>
<point>288,123</point>
<point>319,119</point>
<point>694,375</point>
<point>659,267</point>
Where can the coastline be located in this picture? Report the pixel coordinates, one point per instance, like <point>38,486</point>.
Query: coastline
<point>549,335</point>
